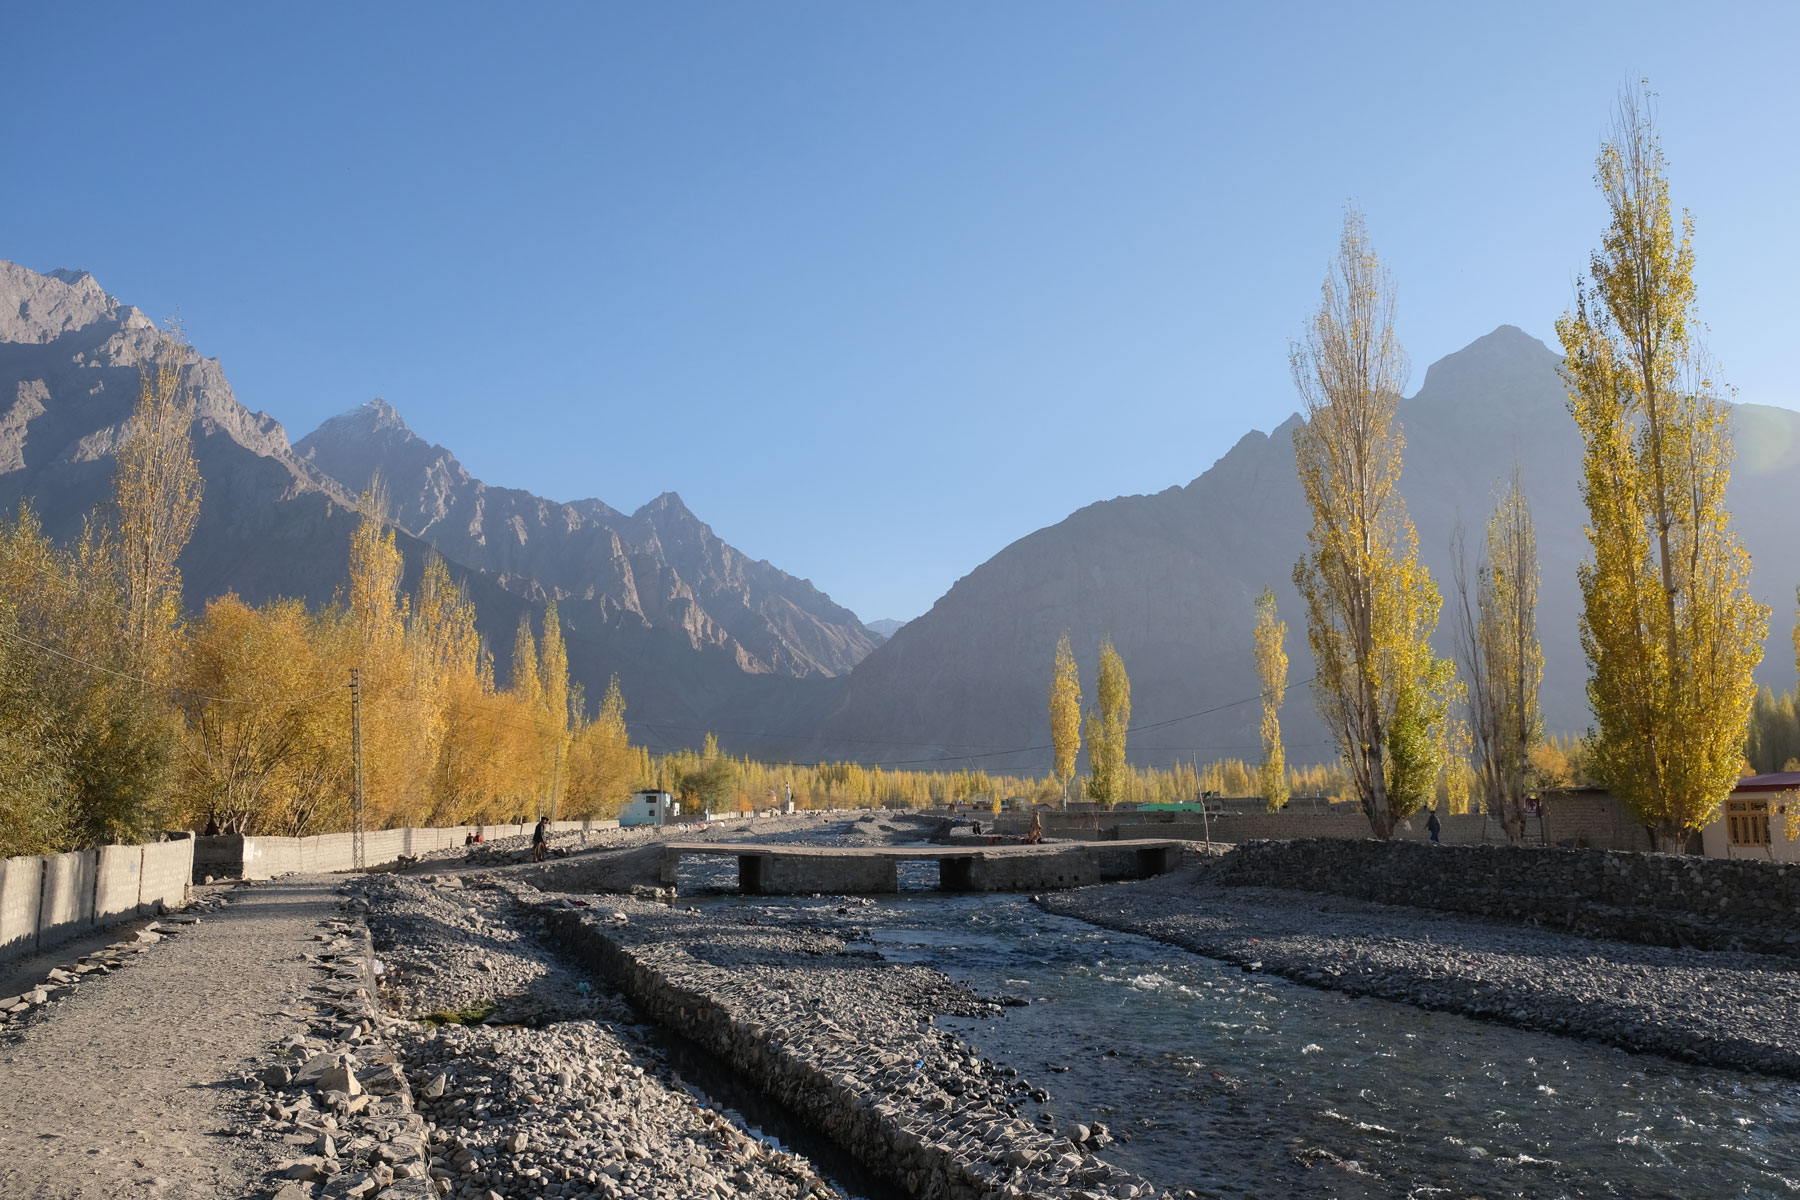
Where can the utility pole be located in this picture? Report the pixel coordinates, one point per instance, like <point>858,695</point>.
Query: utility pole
<point>556,779</point>
<point>1205,817</point>
<point>357,829</point>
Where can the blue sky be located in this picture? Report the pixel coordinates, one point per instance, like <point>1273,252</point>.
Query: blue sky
<point>877,288</point>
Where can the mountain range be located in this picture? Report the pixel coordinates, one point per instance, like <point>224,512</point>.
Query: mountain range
<point>704,638</point>
<point>1172,577</point>
<point>692,627</point>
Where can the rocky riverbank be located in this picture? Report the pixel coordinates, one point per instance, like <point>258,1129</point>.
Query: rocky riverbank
<point>535,1078</point>
<point>844,1038</point>
<point>1724,1009</point>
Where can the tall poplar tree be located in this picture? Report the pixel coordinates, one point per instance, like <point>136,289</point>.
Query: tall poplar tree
<point>157,488</point>
<point>1371,606</point>
<point>1271,671</point>
<point>1670,631</point>
<point>527,684</point>
<point>1065,715</point>
<point>1502,660</point>
<point>1106,728</point>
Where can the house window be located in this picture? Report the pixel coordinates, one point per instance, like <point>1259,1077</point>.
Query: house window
<point>1747,822</point>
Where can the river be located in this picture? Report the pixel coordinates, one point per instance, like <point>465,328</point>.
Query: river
<point>1237,1084</point>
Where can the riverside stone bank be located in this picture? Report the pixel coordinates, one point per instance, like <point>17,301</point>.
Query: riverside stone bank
<point>1657,899</point>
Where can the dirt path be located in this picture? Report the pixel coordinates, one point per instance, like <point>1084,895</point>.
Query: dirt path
<point>130,1086</point>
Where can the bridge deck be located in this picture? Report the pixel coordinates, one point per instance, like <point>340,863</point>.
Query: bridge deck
<point>774,869</point>
<point>1001,850</point>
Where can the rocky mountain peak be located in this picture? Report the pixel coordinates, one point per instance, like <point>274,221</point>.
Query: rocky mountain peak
<point>1506,362</point>
<point>375,418</point>
<point>35,309</point>
<point>667,504</point>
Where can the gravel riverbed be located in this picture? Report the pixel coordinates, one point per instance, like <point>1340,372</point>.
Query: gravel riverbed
<point>537,1079</point>
<point>1740,1011</point>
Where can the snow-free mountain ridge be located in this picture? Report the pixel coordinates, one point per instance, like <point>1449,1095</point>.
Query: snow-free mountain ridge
<point>704,638</point>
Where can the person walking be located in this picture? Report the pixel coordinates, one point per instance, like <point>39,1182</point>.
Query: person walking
<point>1432,826</point>
<point>540,839</point>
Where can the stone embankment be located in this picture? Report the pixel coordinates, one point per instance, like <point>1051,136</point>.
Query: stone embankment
<point>1720,1008</point>
<point>337,1098</point>
<point>536,1079</point>
<point>844,1039</point>
<point>1657,899</point>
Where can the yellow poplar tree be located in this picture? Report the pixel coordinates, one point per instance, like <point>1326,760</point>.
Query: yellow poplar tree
<point>1271,671</point>
<point>1502,658</point>
<point>157,488</point>
<point>553,677</point>
<point>1670,630</point>
<point>1065,715</point>
<point>398,750</point>
<point>603,766</point>
<point>1108,776</point>
<point>1371,606</point>
<point>526,683</point>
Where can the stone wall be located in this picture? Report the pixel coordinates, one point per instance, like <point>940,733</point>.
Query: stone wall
<point>21,886</point>
<point>48,899</point>
<point>1660,899</point>
<point>231,856</point>
<point>1581,818</point>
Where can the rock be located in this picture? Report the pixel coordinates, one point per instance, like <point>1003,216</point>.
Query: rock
<point>435,1089</point>
<point>313,1069</point>
<point>383,1080</point>
<point>293,1191</point>
<point>276,1077</point>
<point>340,1078</point>
<point>314,1167</point>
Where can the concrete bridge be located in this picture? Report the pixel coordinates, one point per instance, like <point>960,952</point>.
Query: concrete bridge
<point>775,870</point>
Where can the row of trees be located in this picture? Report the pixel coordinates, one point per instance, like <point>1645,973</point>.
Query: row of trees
<point>1670,631</point>
<point>120,716</point>
<point>1107,723</point>
<point>749,784</point>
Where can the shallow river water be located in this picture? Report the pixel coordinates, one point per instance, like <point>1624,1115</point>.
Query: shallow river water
<point>1246,1085</point>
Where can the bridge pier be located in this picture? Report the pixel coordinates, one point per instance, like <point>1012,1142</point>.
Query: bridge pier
<point>801,875</point>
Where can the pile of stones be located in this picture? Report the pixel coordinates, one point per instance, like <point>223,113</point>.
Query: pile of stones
<point>576,1110</point>
<point>449,950</point>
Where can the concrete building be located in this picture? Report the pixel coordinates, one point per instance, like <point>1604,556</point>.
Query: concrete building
<point>648,808</point>
<point>1754,821</point>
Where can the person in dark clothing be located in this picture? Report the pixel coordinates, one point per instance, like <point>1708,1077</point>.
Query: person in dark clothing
<point>540,840</point>
<point>1432,826</point>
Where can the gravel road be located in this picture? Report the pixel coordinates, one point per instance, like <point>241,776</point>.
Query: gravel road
<point>133,1085</point>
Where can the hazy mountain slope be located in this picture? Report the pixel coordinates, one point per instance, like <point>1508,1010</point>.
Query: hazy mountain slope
<point>1172,576</point>
<point>659,567</point>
